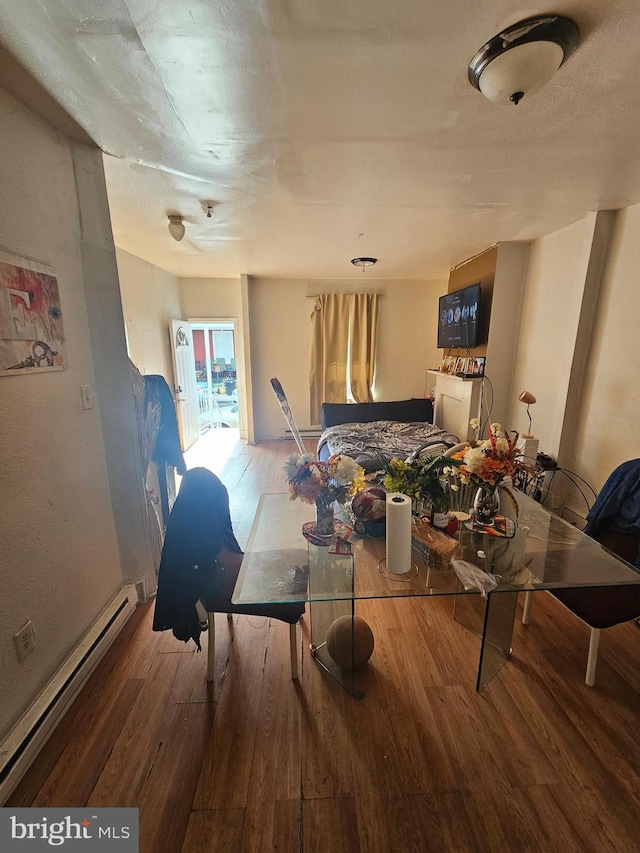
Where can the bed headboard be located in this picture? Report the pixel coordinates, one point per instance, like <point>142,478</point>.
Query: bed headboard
<point>405,411</point>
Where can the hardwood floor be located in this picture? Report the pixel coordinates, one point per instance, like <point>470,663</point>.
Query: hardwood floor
<point>536,762</point>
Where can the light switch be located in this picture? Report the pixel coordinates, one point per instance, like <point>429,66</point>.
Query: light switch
<point>87,396</point>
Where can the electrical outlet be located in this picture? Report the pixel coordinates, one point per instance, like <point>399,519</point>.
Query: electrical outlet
<point>24,641</point>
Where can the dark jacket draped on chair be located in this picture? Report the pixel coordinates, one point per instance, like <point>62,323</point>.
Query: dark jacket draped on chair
<point>617,507</point>
<point>201,559</point>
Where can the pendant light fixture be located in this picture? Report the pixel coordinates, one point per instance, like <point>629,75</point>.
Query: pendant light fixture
<point>522,58</point>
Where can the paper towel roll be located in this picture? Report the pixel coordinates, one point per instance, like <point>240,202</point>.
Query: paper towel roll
<point>398,533</point>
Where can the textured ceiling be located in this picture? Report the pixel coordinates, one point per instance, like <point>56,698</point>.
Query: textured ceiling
<point>321,130</point>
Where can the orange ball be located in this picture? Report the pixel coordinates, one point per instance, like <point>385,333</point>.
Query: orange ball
<point>340,637</point>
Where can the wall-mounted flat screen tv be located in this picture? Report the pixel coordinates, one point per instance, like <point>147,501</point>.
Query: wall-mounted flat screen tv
<point>458,318</point>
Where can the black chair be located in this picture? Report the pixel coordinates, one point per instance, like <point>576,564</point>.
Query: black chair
<point>614,521</point>
<point>199,567</point>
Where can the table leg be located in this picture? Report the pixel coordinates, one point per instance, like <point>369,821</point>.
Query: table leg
<point>328,578</point>
<point>469,610</point>
<point>499,619</point>
<point>322,614</point>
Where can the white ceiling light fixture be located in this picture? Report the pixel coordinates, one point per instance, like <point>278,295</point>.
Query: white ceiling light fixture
<point>176,227</point>
<point>523,57</point>
<point>364,262</point>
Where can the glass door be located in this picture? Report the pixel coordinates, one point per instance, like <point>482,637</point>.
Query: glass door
<point>216,378</point>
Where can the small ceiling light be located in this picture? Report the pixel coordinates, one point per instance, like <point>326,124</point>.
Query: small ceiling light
<point>364,262</point>
<point>176,227</point>
<point>523,57</point>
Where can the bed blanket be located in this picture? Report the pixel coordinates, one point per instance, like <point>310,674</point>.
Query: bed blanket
<point>375,443</point>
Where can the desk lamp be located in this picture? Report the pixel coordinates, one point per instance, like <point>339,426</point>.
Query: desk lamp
<point>528,398</point>
<point>526,443</point>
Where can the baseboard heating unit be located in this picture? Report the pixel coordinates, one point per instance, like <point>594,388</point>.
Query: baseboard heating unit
<point>309,432</point>
<point>24,742</point>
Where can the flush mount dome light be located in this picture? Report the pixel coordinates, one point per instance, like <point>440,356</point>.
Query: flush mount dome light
<point>364,262</point>
<point>523,57</point>
<point>176,227</point>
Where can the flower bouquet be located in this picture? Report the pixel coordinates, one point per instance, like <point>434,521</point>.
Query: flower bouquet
<point>424,480</point>
<point>323,483</point>
<point>486,464</point>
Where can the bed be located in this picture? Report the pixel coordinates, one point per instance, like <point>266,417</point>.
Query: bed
<point>374,433</point>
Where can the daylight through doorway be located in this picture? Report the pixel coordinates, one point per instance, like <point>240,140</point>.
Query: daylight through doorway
<point>216,377</point>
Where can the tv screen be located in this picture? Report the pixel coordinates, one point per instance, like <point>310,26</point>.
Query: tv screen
<point>458,318</point>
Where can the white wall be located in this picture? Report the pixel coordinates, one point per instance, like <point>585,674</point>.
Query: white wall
<point>279,316</point>
<point>512,260</point>
<point>210,298</point>
<point>150,300</point>
<point>407,337</point>
<point>609,417</point>
<point>578,349</point>
<point>61,560</point>
<point>548,329</point>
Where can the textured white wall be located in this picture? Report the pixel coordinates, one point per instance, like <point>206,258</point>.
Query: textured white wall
<point>407,337</point>
<point>548,329</point>
<point>209,298</point>
<point>60,557</point>
<point>579,346</point>
<point>609,417</point>
<point>150,300</point>
<point>506,305</point>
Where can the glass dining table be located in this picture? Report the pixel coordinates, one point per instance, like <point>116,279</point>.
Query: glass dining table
<point>545,553</point>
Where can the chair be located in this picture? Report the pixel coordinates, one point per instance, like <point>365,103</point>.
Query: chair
<point>614,522</point>
<point>217,599</point>
<point>199,567</point>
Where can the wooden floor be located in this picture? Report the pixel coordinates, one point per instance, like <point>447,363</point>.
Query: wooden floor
<point>536,762</point>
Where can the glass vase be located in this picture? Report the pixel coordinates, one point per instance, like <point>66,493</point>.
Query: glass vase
<point>324,515</point>
<point>486,505</point>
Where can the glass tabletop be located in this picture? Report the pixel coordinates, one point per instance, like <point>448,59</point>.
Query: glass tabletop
<point>280,565</point>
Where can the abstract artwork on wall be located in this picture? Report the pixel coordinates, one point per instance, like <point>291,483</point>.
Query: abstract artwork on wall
<point>31,329</point>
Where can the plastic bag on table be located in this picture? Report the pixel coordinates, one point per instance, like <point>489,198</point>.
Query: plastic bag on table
<point>473,577</point>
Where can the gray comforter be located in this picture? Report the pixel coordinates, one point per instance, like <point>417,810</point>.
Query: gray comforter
<point>373,444</point>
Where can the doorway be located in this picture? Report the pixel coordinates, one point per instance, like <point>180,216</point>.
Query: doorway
<point>214,349</point>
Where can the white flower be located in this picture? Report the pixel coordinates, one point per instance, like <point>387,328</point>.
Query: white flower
<point>346,470</point>
<point>502,447</point>
<point>498,432</point>
<point>295,462</point>
<point>454,488</point>
<point>474,423</point>
<point>473,459</point>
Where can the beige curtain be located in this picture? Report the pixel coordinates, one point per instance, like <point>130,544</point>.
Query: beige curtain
<point>329,351</point>
<point>343,332</point>
<point>363,333</point>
